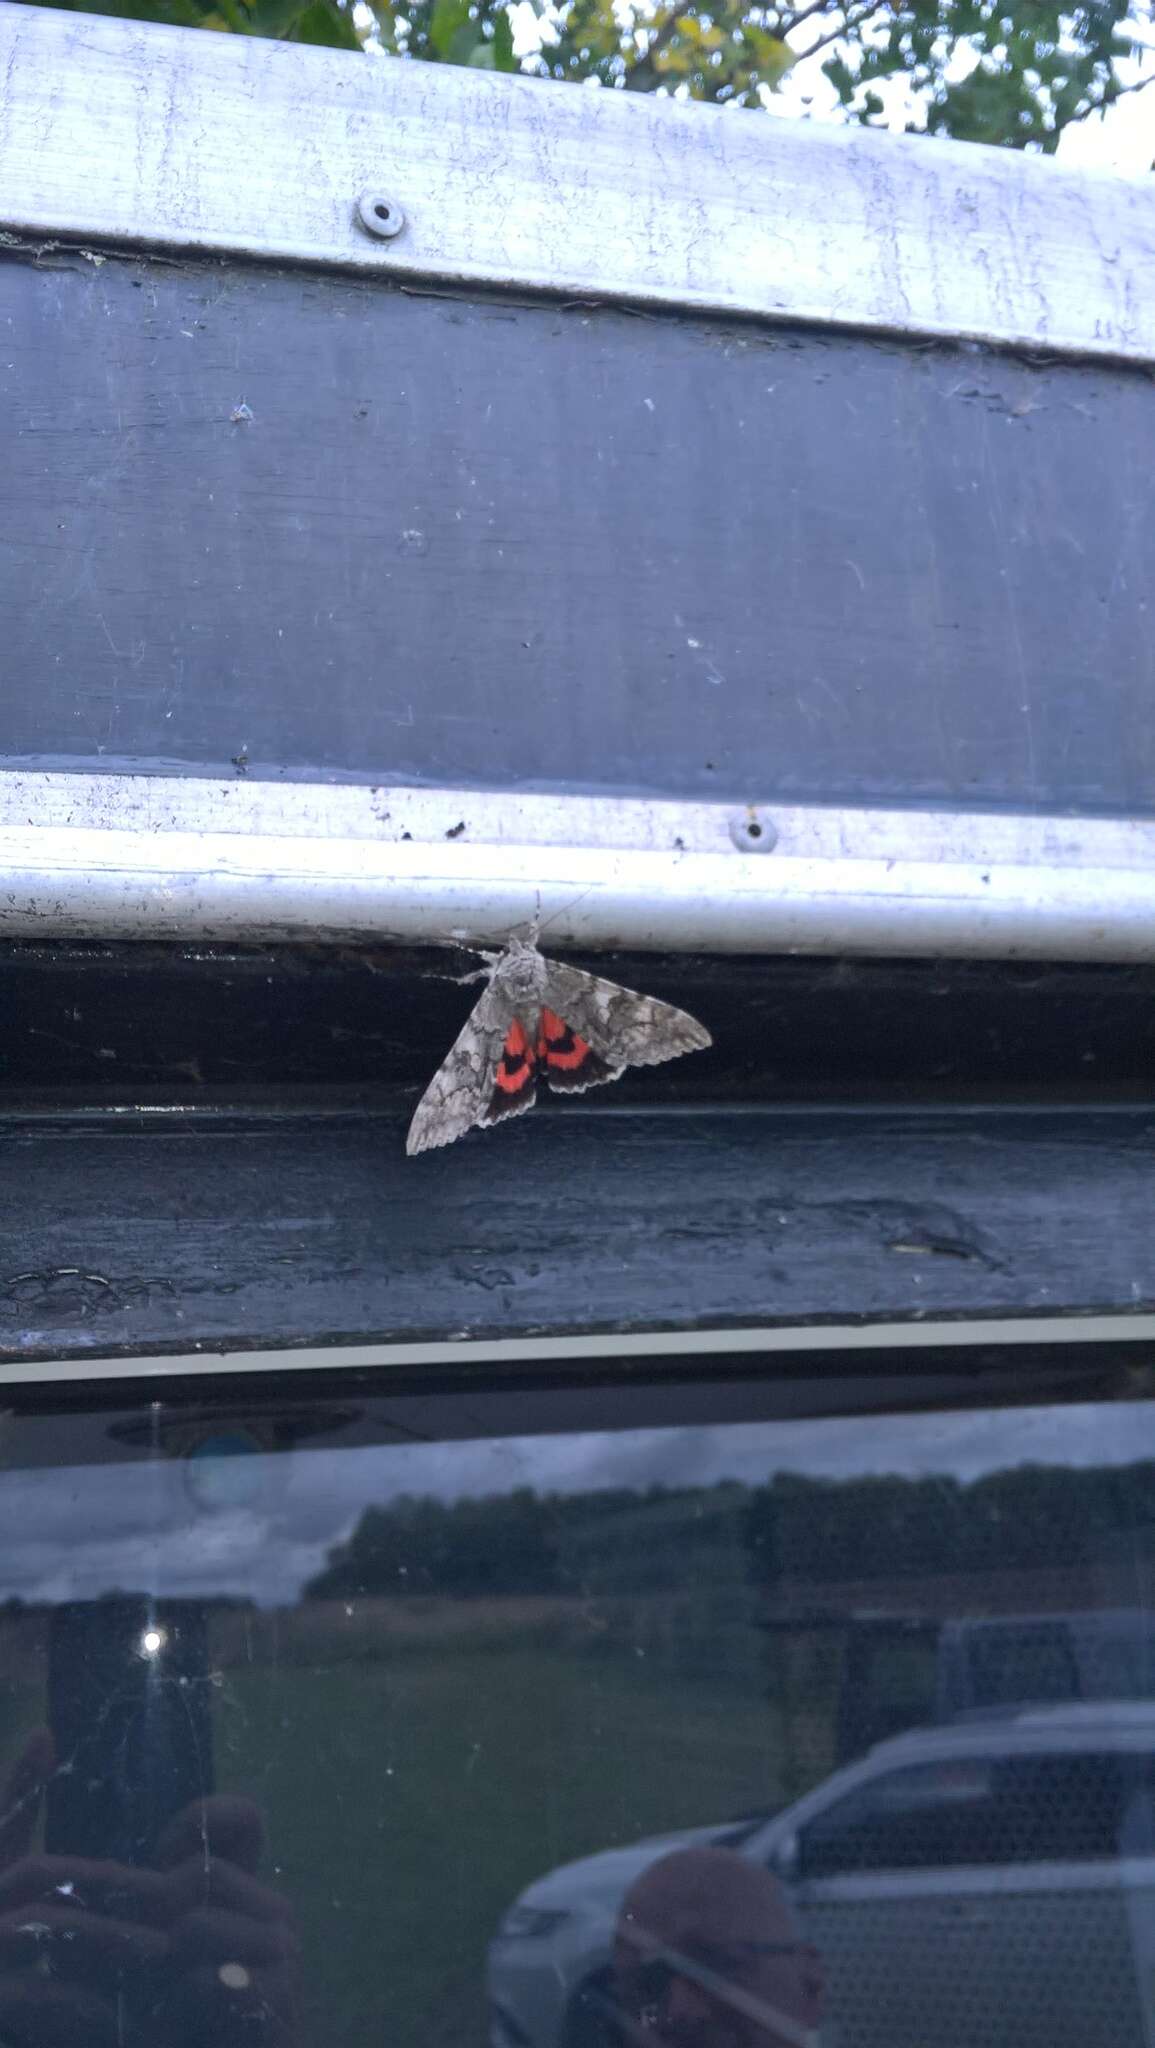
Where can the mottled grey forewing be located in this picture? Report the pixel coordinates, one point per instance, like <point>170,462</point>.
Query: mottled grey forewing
<point>624,1028</point>
<point>460,1092</point>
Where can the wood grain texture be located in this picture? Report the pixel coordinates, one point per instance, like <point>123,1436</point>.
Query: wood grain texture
<point>146,1234</point>
<point>496,545</point>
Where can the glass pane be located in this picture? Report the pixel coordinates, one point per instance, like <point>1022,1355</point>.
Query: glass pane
<point>578,1717</point>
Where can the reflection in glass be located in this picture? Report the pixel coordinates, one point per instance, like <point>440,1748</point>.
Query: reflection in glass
<point>718,1735</point>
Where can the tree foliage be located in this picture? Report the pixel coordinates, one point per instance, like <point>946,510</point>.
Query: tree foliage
<point>1003,71</point>
<point>1029,1517</point>
<point>465,1550</point>
<point>795,1529</point>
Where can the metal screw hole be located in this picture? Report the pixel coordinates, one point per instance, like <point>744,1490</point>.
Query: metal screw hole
<point>753,832</point>
<point>379,215</point>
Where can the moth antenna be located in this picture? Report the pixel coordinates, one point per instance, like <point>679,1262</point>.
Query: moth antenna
<point>532,924</point>
<point>559,912</point>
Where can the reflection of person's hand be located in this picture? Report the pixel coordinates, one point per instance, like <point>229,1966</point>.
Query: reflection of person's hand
<point>193,1953</point>
<point>74,1935</point>
<point>232,1940</point>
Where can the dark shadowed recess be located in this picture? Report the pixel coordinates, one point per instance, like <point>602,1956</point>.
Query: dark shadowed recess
<point>78,1422</point>
<point>203,1024</point>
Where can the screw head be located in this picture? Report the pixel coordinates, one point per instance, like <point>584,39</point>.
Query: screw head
<point>379,215</point>
<point>752,831</point>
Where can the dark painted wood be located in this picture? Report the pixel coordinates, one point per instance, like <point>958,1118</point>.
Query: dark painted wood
<point>491,543</point>
<point>79,1422</point>
<point>145,1233</point>
<point>190,1023</point>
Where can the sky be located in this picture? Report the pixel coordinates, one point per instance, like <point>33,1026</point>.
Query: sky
<point>260,1526</point>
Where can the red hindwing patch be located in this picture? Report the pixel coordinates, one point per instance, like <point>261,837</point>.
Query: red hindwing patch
<point>567,1060</point>
<point>514,1083</point>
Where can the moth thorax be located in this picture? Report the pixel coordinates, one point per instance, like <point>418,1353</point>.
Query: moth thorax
<point>523,973</point>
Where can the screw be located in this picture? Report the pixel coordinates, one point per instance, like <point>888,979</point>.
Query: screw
<point>379,215</point>
<point>753,832</point>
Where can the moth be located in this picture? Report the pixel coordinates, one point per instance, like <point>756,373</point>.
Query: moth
<point>541,1019</point>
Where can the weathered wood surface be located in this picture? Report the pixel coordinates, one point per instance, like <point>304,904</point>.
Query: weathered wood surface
<point>138,1233</point>
<point>486,543</point>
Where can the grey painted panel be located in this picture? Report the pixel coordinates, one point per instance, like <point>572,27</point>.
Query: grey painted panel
<point>477,542</point>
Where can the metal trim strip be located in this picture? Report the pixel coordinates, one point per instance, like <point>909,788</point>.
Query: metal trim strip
<point>116,133</point>
<point>142,857</point>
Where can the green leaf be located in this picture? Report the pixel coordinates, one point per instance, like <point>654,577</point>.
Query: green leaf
<point>448,18</point>
<point>466,41</point>
<point>266,17</point>
<point>502,44</point>
<point>330,27</point>
<point>772,57</point>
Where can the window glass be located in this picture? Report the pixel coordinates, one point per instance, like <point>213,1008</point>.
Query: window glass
<point>351,1718</point>
<point>977,1810</point>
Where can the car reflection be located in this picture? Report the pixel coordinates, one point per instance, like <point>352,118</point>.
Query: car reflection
<point>988,1881</point>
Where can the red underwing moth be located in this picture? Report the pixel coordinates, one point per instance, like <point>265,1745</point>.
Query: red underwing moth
<point>541,1019</point>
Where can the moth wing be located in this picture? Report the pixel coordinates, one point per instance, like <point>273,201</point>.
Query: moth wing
<point>568,1062</point>
<point>461,1090</point>
<point>624,1029</point>
<point>515,1077</point>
